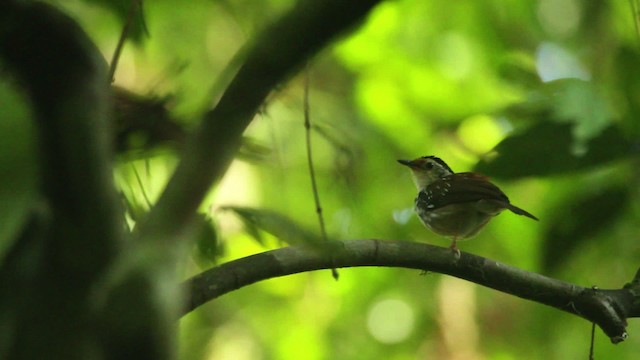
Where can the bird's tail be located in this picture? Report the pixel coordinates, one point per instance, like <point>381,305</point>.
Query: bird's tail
<point>517,210</point>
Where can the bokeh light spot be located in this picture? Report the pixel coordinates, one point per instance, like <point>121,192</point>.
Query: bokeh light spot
<point>480,133</point>
<point>560,18</point>
<point>390,321</point>
<point>455,56</point>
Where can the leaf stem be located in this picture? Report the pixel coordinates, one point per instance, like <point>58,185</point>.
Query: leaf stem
<point>312,173</point>
<point>133,9</point>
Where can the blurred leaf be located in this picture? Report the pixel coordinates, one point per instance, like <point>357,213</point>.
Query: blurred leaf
<point>610,145</point>
<point>628,74</point>
<point>582,103</point>
<point>546,149</point>
<point>543,149</point>
<point>274,223</point>
<point>135,209</point>
<point>253,150</point>
<point>135,199</point>
<point>570,100</point>
<point>122,8</point>
<point>519,67</point>
<point>143,122</point>
<point>18,165</point>
<point>207,246</point>
<point>581,221</point>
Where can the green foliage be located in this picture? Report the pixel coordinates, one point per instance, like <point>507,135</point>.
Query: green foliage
<point>523,155</point>
<point>543,96</point>
<point>208,247</point>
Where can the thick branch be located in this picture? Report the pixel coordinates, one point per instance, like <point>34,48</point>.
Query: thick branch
<point>277,53</point>
<point>66,81</point>
<point>53,267</point>
<point>608,308</point>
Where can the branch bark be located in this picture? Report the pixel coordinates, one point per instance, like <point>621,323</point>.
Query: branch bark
<point>607,308</point>
<point>65,76</point>
<point>75,230</point>
<point>276,53</point>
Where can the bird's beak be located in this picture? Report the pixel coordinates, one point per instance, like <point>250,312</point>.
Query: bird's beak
<point>408,163</point>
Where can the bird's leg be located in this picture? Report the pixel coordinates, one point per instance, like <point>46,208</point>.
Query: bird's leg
<point>454,248</point>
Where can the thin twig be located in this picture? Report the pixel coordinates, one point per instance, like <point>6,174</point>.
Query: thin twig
<point>312,173</point>
<point>593,336</point>
<point>593,333</point>
<point>141,185</point>
<point>135,6</point>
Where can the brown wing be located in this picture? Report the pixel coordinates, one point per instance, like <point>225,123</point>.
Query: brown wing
<point>463,188</point>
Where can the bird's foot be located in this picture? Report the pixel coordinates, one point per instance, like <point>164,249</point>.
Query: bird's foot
<point>455,250</point>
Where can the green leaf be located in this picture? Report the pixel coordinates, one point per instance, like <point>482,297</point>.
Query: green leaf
<point>253,151</point>
<point>546,149</point>
<point>274,223</point>
<point>543,149</point>
<point>207,247</point>
<point>628,74</point>
<point>581,221</point>
<point>610,145</point>
<point>582,104</point>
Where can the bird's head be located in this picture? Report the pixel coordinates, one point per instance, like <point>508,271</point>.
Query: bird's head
<point>426,170</point>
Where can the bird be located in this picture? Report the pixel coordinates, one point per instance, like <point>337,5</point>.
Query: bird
<point>456,205</point>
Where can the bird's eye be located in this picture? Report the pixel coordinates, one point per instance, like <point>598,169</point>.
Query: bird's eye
<point>428,166</point>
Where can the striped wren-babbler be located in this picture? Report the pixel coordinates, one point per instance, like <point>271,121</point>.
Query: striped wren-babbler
<point>456,205</point>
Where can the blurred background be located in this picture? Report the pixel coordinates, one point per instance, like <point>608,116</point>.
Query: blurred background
<point>540,95</point>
